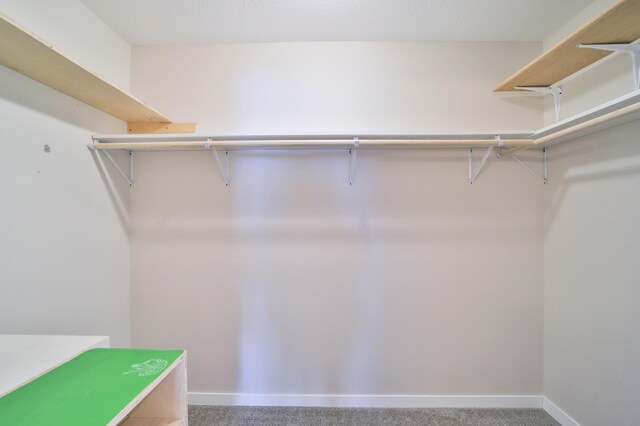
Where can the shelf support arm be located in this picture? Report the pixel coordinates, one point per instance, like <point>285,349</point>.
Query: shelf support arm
<point>131,166</point>
<point>632,50</point>
<point>224,171</point>
<point>545,177</point>
<point>474,176</point>
<point>556,91</point>
<point>352,165</point>
<point>129,177</point>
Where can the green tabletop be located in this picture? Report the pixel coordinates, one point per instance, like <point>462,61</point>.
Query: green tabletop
<point>91,389</point>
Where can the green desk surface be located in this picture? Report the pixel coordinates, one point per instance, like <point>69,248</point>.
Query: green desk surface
<point>91,389</point>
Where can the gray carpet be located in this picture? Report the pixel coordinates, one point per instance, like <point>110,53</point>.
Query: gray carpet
<point>201,415</point>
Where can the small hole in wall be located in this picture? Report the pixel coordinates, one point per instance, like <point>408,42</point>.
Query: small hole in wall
<point>47,149</point>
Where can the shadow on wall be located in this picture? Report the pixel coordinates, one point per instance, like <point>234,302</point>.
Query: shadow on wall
<point>22,90</point>
<point>115,185</point>
<point>523,100</point>
<point>611,154</point>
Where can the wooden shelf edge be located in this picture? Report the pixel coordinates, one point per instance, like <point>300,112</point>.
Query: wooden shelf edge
<point>156,128</point>
<point>617,24</point>
<point>28,54</point>
<point>167,392</point>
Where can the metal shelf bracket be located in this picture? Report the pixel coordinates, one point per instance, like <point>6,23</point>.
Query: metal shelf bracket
<point>545,176</point>
<point>556,91</point>
<point>632,50</point>
<point>224,171</point>
<point>473,176</point>
<point>127,177</point>
<point>352,165</point>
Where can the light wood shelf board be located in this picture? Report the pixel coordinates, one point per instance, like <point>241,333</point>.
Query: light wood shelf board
<point>161,403</point>
<point>151,127</point>
<point>152,421</point>
<point>27,54</point>
<point>618,24</point>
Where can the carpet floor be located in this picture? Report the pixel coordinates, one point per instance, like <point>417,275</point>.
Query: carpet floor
<point>201,415</point>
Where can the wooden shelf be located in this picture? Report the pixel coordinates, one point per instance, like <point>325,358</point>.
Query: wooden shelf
<point>27,54</point>
<point>618,24</point>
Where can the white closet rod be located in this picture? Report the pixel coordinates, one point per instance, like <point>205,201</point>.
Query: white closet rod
<point>618,111</point>
<point>610,117</point>
<point>313,143</point>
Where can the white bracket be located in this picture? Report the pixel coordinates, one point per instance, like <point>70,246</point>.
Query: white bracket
<point>131,167</point>
<point>224,171</point>
<point>352,166</point>
<point>474,176</point>
<point>545,177</point>
<point>632,50</point>
<point>129,177</point>
<point>556,91</point>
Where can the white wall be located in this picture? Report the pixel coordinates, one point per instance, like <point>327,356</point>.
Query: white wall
<point>592,320</point>
<point>273,88</point>
<point>290,281</point>
<point>577,21</point>
<point>591,244</point>
<point>64,251</point>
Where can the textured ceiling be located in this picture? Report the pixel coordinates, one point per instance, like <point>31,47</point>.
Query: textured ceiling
<point>207,21</point>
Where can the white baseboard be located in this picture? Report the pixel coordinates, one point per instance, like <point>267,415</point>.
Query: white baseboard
<point>372,401</point>
<point>560,416</point>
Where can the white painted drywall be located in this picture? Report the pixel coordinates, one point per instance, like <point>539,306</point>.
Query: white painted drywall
<point>64,248</point>
<point>274,88</point>
<point>73,29</point>
<point>591,293</point>
<point>591,244</point>
<point>290,281</point>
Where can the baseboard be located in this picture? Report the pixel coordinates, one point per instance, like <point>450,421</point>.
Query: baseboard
<point>372,401</point>
<point>560,416</point>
